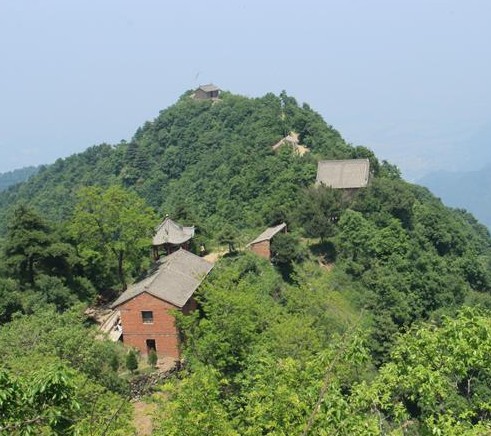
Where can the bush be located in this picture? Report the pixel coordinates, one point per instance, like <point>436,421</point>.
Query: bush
<point>131,361</point>
<point>114,363</point>
<point>152,358</point>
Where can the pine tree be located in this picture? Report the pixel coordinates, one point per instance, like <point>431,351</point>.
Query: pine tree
<point>131,361</point>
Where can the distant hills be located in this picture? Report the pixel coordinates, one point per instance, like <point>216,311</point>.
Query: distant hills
<point>465,190</point>
<point>16,176</point>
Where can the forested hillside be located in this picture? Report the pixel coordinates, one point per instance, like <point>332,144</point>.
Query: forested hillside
<point>372,318</point>
<point>16,176</point>
<point>211,158</point>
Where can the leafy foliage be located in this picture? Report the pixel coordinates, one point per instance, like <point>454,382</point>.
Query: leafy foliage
<point>42,266</point>
<point>55,375</point>
<point>131,361</point>
<point>437,379</point>
<point>113,225</point>
<point>46,401</point>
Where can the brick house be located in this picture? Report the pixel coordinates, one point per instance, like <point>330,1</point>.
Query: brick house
<point>170,236</point>
<point>348,175</point>
<point>207,92</point>
<point>146,307</point>
<point>262,244</point>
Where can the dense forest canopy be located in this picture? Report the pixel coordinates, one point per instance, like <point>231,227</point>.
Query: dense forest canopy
<point>199,157</point>
<point>339,333</point>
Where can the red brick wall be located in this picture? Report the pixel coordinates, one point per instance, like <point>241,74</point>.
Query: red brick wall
<point>190,306</point>
<point>163,329</point>
<point>262,249</point>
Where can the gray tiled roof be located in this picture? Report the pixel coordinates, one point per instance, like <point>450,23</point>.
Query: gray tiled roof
<point>343,174</point>
<point>174,279</point>
<point>268,234</point>
<point>209,88</point>
<point>169,232</point>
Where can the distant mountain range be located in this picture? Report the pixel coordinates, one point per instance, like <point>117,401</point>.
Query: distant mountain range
<point>469,190</point>
<point>16,176</point>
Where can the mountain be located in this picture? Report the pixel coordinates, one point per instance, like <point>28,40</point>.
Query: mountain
<point>16,176</point>
<point>211,158</point>
<point>467,190</point>
<point>365,320</point>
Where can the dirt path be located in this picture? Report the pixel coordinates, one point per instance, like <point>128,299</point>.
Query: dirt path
<point>142,417</point>
<point>213,257</point>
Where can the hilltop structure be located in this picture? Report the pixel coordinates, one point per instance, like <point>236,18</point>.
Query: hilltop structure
<point>207,92</point>
<point>349,174</point>
<point>262,244</point>
<point>145,308</point>
<point>170,236</point>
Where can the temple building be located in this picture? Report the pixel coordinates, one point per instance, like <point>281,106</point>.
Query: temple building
<point>170,236</point>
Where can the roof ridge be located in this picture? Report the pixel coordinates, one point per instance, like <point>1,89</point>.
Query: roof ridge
<point>268,234</point>
<point>175,271</point>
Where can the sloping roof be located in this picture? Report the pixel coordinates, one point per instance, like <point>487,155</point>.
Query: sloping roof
<point>268,234</point>
<point>343,174</point>
<point>209,88</point>
<point>169,232</point>
<point>174,280</point>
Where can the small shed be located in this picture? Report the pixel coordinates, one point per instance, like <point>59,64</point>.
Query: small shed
<point>262,244</point>
<point>207,92</point>
<point>146,307</point>
<point>349,174</point>
<point>170,236</point>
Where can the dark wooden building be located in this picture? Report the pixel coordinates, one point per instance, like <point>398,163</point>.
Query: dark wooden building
<point>146,307</point>
<point>207,92</point>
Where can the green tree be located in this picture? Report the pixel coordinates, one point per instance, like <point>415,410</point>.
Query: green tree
<point>39,259</point>
<point>57,377</point>
<point>115,223</point>
<point>319,210</point>
<point>63,336</point>
<point>436,379</point>
<point>228,236</point>
<point>28,238</point>
<point>196,408</point>
<point>47,402</point>
<point>131,361</point>
<point>286,250</point>
<point>10,300</point>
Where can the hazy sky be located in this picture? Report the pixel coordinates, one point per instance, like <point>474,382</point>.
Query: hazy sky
<point>410,79</point>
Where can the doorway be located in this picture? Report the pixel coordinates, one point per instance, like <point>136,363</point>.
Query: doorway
<point>151,345</point>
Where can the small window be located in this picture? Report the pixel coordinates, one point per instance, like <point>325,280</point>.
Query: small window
<point>147,317</point>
